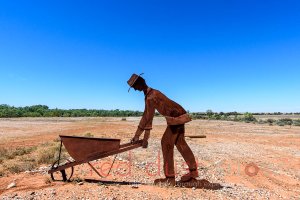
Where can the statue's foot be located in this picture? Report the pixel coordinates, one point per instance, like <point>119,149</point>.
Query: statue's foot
<point>193,174</point>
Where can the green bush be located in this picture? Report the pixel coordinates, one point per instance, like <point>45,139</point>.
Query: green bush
<point>279,123</point>
<point>296,122</point>
<point>285,121</point>
<point>270,121</point>
<point>248,117</point>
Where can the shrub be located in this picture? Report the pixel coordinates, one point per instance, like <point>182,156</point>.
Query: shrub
<point>248,117</point>
<point>88,135</point>
<point>270,121</point>
<point>236,118</point>
<point>279,123</point>
<point>296,122</point>
<point>285,121</point>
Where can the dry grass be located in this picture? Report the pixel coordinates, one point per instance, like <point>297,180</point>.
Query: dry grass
<point>47,180</point>
<point>48,153</point>
<point>6,153</point>
<point>2,171</point>
<point>28,158</point>
<point>16,166</point>
<point>88,135</point>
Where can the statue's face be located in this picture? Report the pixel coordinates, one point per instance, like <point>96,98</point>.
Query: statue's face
<point>137,87</point>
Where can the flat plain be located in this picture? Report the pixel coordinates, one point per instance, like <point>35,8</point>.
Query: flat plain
<point>249,161</point>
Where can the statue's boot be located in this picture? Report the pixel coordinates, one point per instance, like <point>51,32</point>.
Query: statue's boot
<point>193,174</point>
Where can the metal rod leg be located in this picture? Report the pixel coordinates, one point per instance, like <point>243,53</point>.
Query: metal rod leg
<point>93,168</point>
<point>59,152</point>
<point>64,175</point>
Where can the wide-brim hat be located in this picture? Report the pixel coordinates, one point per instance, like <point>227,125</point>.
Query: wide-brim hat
<point>133,79</point>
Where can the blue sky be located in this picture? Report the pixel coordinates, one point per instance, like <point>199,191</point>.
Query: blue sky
<point>223,55</point>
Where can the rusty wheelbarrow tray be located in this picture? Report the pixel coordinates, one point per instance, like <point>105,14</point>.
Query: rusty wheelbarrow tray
<point>87,149</point>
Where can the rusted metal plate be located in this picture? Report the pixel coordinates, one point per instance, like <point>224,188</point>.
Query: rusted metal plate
<point>81,148</point>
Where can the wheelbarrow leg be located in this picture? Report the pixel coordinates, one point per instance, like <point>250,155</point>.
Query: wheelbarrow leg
<point>93,168</point>
<point>64,175</point>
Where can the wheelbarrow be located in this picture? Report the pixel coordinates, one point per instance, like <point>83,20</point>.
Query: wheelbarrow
<point>85,150</point>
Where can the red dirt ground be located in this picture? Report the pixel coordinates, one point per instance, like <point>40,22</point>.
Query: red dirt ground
<point>228,156</point>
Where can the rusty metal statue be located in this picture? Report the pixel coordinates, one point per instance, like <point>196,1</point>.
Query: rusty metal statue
<point>176,117</point>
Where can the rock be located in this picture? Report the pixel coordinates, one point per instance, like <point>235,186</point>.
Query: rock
<point>13,184</point>
<point>135,186</point>
<point>80,183</point>
<point>32,193</point>
<point>53,192</point>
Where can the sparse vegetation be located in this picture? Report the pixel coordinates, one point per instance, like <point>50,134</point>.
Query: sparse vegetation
<point>296,122</point>
<point>16,165</point>
<point>27,158</point>
<point>2,171</point>
<point>88,135</point>
<point>48,153</point>
<point>7,111</point>
<point>47,180</point>
<point>248,117</point>
<point>12,153</point>
<point>270,121</point>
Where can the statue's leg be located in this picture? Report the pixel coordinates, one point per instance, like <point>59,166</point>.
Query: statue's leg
<point>167,145</point>
<point>188,156</point>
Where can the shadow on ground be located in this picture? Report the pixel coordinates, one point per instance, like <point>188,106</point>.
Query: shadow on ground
<point>201,184</point>
<point>112,182</point>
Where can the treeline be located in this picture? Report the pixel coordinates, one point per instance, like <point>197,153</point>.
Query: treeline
<point>247,117</point>
<point>7,111</point>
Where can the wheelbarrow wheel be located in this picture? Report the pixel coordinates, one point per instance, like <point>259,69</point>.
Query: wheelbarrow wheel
<point>63,175</point>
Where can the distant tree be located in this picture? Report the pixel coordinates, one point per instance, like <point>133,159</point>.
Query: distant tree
<point>209,113</point>
<point>248,117</point>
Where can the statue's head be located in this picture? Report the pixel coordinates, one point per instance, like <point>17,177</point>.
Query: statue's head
<point>137,82</point>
